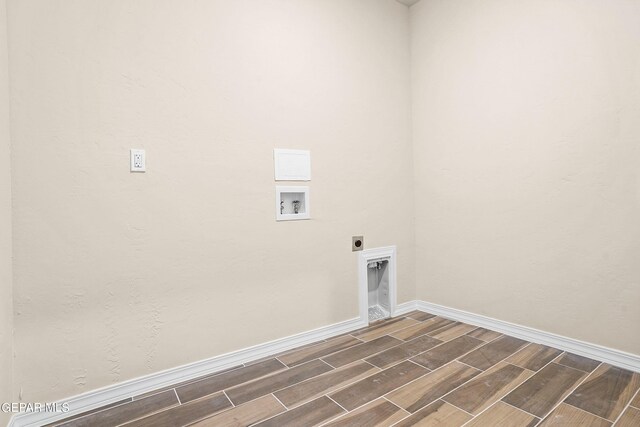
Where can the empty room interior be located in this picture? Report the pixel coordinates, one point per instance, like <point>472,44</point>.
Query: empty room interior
<point>320,213</point>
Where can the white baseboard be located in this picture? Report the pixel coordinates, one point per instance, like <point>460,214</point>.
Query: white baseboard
<point>111,394</point>
<point>604,354</point>
<point>105,396</point>
<point>405,308</point>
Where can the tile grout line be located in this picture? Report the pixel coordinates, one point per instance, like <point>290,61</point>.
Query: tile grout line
<point>228,398</point>
<point>324,423</point>
<point>627,406</point>
<point>286,408</point>
<point>432,348</point>
<point>396,346</point>
<point>437,331</point>
<point>151,414</point>
<point>449,403</point>
<point>338,389</point>
<point>631,401</point>
<point>408,414</point>
<point>466,364</point>
<point>590,413</point>
<point>345,409</point>
<point>274,374</point>
<point>522,410</point>
<point>322,357</point>
<point>422,376</point>
<point>479,375</point>
<point>568,394</point>
<point>577,369</point>
<point>186,383</point>
<point>521,367</point>
<point>369,363</point>
<point>396,405</point>
<point>429,371</point>
<point>461,385</point>
<point>426,333</point>
<point>382,396</point>
<point>396,331</point>
<point>329,363</point>
<point>501,400</point>
<point>368,356</point>
<point>496,338</point>
<point>402,419</point>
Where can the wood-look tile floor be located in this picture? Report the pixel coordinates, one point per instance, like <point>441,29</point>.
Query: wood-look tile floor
<point>412,370</point>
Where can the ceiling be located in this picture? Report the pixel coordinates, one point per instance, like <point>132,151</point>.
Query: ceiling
<point>408,2</point>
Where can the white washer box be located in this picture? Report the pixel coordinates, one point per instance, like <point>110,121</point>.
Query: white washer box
<point>292,203</point>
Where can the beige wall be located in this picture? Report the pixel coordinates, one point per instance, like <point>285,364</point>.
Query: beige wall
<point>119,275</point>
<point>527,160</point>
<point>6,288</point>
<point>525,150</point>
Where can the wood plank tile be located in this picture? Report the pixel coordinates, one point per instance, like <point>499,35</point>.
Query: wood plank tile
<point>185,414</point>
<point>385,329</point>
<point>540,393</point>
<point>630,418</point>
<point>487,388</point>
<point>313,413</point>
<point>636,401</point>
<point>129,411</point>
<point>493,352</point>
<point>431,387</point>
<point>361,351</point>
<point>376,385</point>
<point>420,316</point>
<point>451,331</point>
<point>93,411</point>
<point>404,351</point>
<point>423,328</point>
<point>277,356</point>
<point>503,415</point>
<point>376,325</point>
<point>325,383</point>
<point>210,385</point>
<point>277,381</point>
<point>484,334</point>
<point>606,391</point>
<point>534,356</point>
<point>182,383</point>
<point>567,415</point>
<point>316,351</point>
<point>245,415</point>
<point>379,413</point>
<point>445,353</point>
<point>438,414</point>
<point>578,362</point>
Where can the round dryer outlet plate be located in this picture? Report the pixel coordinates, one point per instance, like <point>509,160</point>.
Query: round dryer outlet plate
<point>357,243</point>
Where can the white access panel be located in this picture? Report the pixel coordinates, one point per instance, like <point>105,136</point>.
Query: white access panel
<point>292,165</point>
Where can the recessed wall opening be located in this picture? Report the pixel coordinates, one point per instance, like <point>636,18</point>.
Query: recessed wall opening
<point>378,286</point>
<point>377,271</point>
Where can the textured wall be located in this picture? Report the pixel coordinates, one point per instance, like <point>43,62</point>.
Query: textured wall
<point>527,160</point>
<point>118,275</point>
<point>6,289</point>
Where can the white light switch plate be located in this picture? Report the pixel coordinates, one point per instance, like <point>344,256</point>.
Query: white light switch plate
<point>138,160</point>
